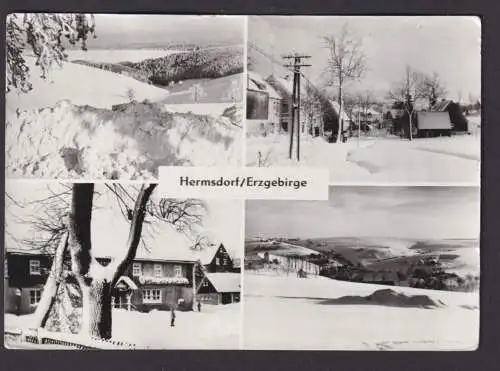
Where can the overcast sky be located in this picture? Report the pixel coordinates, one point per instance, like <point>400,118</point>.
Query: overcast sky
<point>114,31</point>
<point>391,212</point>
<point>223,222</point>
<point>450,46</point>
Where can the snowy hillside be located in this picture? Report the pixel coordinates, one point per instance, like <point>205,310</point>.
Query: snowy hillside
<point>82,85</point>
<point>294,313</point>
<point>72,125</point>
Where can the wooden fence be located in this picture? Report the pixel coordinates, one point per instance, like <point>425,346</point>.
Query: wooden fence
<point>40,339</point>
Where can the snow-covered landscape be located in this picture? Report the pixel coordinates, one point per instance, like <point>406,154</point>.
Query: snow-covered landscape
<point>381,160</point>
<point>295,314</point>
<point>352,96</point>
<point>90,121</point>
<point>372,268</point>
<point>216,327</point>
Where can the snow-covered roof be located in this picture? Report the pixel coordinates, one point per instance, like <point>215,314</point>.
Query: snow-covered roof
<point>257,82</point>
<point>336,107</point>
<point>225,282</point>
<point>127,281</point>
<point>441,106</point>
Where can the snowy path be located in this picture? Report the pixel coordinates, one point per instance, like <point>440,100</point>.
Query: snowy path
<point>302,322</point>
<point>381,160</point>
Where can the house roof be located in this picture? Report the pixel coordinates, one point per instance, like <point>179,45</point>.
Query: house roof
<point>441,105</point>
<point>286,83</point>
<point>225,282</point>
<point>127,281</point>
<point>336,107</point>
<point>257,82</point>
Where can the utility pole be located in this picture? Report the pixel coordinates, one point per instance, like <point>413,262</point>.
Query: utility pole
<point>297,64</point>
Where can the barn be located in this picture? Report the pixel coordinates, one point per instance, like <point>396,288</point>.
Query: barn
<point>220,288</point>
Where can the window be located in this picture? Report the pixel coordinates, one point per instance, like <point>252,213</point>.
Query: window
<point>205,283</point>
<point>35,295</point>
<point>157,270</point>
<point>151,296</point>
<point>136,269</point>
<point>35,267</point>
<point>178,271</point>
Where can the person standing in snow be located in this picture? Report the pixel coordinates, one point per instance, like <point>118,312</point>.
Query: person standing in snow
<point>199,306</point>
<point>172,316</point>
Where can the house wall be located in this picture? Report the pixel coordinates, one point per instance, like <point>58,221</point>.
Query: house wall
<point>10,304</point>
<point>212,298</point>
<point>18,277</point>
<point>18,270</point>
<point>170,293</point>
<point>170,296</point>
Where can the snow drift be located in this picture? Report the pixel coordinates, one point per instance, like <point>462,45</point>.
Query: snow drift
<point>131,140</point>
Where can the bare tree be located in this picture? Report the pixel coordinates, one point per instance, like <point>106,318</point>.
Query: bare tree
<point>346,62</point>
<point>72,221</point>
<point>43,33</point>
<point>406,92</point>
<point>432,88</point>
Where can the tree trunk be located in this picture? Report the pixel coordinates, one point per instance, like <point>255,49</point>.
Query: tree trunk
<point>341,128</point>
<point>51,286</point>
<point>410,123</point>
<point>97,305</point>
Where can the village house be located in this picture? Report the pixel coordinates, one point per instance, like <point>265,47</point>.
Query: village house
<point>219,288</point>
<point>159,280</point>
<point>25,274</point>
<point>293,263</point>
<point>456,116</point>
<point>263,106</point>
<point>311,114</point>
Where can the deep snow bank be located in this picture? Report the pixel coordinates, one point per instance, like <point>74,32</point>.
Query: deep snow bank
<point>129,141</point>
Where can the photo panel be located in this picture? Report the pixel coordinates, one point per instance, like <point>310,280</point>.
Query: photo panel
<point>115,96</point>
<point>372,268</point>
<point>117,266</point>
<point>375,99</point>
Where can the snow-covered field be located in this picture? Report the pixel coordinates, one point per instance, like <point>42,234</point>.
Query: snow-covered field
<point>64,128</point>
<point>381,159</point>
<point>290,313</point>
<point>215,327</point>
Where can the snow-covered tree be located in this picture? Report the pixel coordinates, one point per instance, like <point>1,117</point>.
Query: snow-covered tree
<point>407,91</point>
<point>63,219</point>
<point>346,62</point>
<point>44,35</point>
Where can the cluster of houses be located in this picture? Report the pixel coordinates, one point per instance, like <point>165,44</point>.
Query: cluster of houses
<point>176,277</point>
<point>416,271</point>
<point>443,118</point>
<point>269,107</point>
